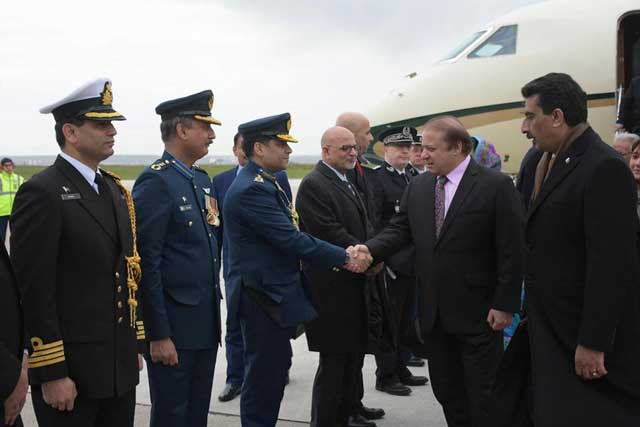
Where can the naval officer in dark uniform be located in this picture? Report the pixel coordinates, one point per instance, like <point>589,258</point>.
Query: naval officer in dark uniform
<point>392,374</point>
<point>266,290</point>
<point>177,218</point>
<point>74,251</point>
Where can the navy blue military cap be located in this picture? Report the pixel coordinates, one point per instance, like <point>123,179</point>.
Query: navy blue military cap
<point>276,127</point>
<point>399,135</point>
<point>197,106</point>
<point>91,101</point>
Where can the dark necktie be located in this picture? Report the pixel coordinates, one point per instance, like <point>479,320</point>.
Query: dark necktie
<point>103,189</point>
<point>405,177</point>
<point>439,203</point>
<point>348,185</point>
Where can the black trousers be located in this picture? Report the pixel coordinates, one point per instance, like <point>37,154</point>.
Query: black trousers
<point>393,364</point>
<point>334,388</point>
<point>109,412</point>
<point>358,389</point>
<point>462,370</point>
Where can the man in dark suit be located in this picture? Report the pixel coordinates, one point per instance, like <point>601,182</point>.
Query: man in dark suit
<point>77,267</point>
<point>581,281</point>
<point>331,209</point>
<point>13,362</point>
<point>180,285</point>
<point>361,177</point>
<point>466,224</point>
<point>391,179</point>
<point>526,174</point>
<point>267,293</point>
<point>233,336</point>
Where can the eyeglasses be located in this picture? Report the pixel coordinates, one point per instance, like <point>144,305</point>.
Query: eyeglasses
<point>346,148</point>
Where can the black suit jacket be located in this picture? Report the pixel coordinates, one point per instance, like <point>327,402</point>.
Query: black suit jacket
<point>476,264</point>
<point>11,331</point>
<point>581,284</point>
<point>68,247</point>
<point>330,211</point>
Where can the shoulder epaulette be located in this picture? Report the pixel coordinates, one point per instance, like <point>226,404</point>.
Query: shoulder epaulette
<point>258,178</point>
<point>160,165</point>
<point>111,174</point>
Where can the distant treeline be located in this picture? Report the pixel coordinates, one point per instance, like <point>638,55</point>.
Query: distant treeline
<point>130,172</point>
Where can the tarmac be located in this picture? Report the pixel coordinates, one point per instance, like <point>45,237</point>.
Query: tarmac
<point>418,409</point>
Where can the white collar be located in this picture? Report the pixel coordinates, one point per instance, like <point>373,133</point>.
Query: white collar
<point>86,172</point>
<point>343,177</point>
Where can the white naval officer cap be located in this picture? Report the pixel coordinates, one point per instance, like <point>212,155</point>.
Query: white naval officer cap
<point>91,101</point>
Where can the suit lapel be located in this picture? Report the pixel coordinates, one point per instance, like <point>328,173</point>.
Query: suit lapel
<point>90,200</point>
<point>428,204</point>
<point>562,167</point>
<point>335,181</point>
<point>122,215</point>
<point>464,189</point>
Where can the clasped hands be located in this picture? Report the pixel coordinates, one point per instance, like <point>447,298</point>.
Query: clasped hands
<point>360,259</point>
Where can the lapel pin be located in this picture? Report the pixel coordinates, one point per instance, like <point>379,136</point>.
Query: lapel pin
<point>65,188</point>
<point>184,199</point>
<point>567,160</point>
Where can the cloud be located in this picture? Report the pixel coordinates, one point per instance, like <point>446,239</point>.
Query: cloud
<point>314,59</point>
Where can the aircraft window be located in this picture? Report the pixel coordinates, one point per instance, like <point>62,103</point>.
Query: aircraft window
<point>502,42</point>
<point>462,46</point>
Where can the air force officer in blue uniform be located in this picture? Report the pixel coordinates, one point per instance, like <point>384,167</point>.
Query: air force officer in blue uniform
<point>233,337</point>
<point>266,291</point>
<point>176,221</point>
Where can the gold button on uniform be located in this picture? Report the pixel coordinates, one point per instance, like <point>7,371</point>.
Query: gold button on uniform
<point>119,289</point>
<point>117,275</point>
<point>190,223</point>
<point>119,304</point>
<point>119,319</point>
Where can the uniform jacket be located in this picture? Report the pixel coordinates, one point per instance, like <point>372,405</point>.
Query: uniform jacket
<point>11,333</point>
<point>67,247</point>
<point>629,115</point>
<point>180,281</point>
<point>389,187</point>
<point>265,249</point>
<point>475,264</point>
<point>330,211</point>
<point>221,183</point>
<point>581,287</point>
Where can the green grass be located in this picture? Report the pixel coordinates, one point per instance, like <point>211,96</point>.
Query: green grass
<point>294,171</point>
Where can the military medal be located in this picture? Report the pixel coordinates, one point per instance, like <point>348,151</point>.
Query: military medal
<point>213,215</point>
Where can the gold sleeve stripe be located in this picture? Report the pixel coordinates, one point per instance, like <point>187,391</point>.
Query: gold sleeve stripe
<point>46,356</point>
<point>43,352</point>
<point>39,345</point>
<point>142,337</point>
<point>46,363</point>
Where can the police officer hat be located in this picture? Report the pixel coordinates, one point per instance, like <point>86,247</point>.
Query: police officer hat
<point>399,135</point>
<point>272,127</point>
<point>417,140</point>
<point>197,106</point>
<point>92,101</point>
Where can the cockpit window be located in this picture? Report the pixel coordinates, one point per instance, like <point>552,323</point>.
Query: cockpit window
<point>502,42</point>
<point>462,46</point>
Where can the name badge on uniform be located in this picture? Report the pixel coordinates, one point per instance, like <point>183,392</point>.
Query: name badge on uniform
<point>185,208</point>
<point>213,215</point>
<point>71,196</point>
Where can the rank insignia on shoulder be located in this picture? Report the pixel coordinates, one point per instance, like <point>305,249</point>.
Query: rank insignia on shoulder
<point>258,178</point>
<point>162,164</point>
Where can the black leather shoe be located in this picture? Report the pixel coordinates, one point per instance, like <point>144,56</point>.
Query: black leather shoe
<point>230,392</point>
<point>415,362</point>
<point>371,413</point>
<point>414,380</point>
<point>394,388</point>
<point>360,421</point>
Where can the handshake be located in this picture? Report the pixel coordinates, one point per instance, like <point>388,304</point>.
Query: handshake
<point>360,259</point>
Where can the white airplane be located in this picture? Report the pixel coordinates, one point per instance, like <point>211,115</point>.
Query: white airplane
<point>597,42</point>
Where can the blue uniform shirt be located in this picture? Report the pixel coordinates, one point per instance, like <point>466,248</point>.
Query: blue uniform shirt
<point>179,287</point>
<point>265,248</point>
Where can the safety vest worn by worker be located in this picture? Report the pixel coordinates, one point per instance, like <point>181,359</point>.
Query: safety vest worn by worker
<point>9,184</point>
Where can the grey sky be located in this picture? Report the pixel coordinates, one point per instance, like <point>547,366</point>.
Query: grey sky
<point>314,59</point>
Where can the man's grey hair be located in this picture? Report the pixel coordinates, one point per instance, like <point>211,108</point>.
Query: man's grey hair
<point>627,136</point>
<point>168,127</point>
